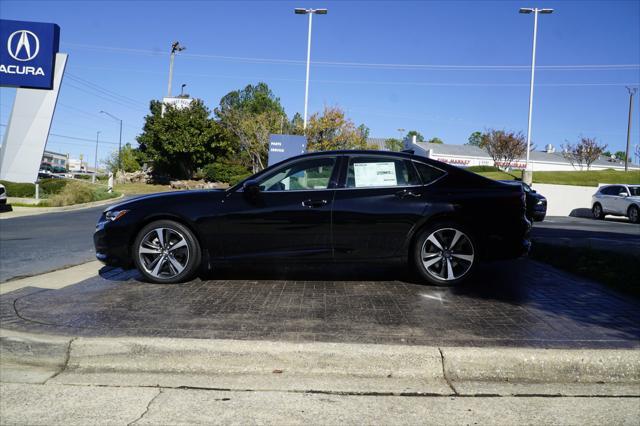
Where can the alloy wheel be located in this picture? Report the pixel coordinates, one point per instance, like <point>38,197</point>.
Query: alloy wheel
<point>597,211</point>
<point>163,253</point>
<point>447,254</point>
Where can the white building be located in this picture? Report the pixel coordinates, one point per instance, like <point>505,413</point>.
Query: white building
<point>468,155</point>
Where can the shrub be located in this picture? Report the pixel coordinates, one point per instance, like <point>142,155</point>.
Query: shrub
<point>72,193</point>
<point>223,171</point>
<point>52,186</point>
<point>23,190</point>
<point>482,169</point>
<point>238,178</point>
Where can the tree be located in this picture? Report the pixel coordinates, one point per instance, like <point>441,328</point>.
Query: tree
<point>621,155</point>
<point>128,160</point>
<point>251,115</point>
<point>181,140</point>
<point>475,139</point>
<point>332,130</point>
<point>393,144</point>
<point>418,135</point>
<point>435,140</point>
<point>504,147</point>
<point>586,151</point>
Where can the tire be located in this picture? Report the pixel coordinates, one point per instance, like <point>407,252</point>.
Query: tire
<point>174,259</point>
<point>597,211</point>
<point>434,259</point>
<point>633,213</point>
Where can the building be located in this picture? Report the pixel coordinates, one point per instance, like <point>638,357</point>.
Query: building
<point>55,159</point>
<point>468,155</point>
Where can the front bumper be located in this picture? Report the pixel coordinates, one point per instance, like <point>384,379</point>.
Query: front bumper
<point>112,245</point>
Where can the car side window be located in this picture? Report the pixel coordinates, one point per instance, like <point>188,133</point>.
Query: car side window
<point>610,190</point>
<point>311,174</point>
<point>372,172</point>
<point>427,173</point>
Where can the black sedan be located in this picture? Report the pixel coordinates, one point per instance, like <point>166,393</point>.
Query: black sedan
<point>536,203</point>
<point>340,206</point>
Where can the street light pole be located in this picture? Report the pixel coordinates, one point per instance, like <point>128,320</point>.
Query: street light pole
<point>175,47</point>
<point>310,12</point>
<point>119,141</point>
<point>632,91</point>
<point>95,160</point>
<point>527,175</point>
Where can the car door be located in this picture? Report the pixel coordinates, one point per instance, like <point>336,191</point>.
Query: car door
<point>377,204</point>
<point>620,203</point>
<point>607,198</point>
<point>289,217</point>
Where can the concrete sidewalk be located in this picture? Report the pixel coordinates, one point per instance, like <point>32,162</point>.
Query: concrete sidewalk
<point>317,367</point>
<point>84,405</point>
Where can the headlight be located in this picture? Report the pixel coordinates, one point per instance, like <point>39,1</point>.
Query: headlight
<point>113,215</point>
<point>540,202</point>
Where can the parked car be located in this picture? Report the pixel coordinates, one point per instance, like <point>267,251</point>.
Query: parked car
<point>3,195</point>
<point>336,206</point>
<point>618,200</point>
<point>536,203</point>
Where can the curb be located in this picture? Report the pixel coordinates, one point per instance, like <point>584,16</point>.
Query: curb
<point>325,367</point>
<point>41,210</point>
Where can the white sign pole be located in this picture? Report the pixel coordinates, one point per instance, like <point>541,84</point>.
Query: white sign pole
<point>28,129</point>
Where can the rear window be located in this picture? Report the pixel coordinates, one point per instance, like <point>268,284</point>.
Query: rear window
<point>377,172</point>
<point>427,173</point>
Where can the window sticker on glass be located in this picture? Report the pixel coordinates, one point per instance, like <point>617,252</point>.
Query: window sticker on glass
<point>375,174</point>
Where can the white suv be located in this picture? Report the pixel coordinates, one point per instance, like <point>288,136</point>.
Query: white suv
<point>619,200</point>
<point>3,195</point>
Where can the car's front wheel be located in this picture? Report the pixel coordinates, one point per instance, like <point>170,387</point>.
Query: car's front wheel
<point>634,214</point>
<point>166,251</point>
<point>445,254</point>
<point>597,211</point>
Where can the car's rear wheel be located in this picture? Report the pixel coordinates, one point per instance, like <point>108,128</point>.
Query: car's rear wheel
<point>445,254</point>
<point>597,211</point>
<point>166,251</point>
<point>634,214</point>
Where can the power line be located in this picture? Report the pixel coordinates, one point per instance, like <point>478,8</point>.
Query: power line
<point>77,138</point>
<point>104,90</point>
<point>443,67</point>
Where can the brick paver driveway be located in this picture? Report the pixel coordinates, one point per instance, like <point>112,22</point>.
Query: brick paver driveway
<point>517,303</point>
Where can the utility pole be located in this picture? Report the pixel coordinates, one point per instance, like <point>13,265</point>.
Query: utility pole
<point>175,47</point>
<point>632,91</point>
<point>95,160</point>
<point>527,175</point>
<point>310,12</point>
<point>119,141</point>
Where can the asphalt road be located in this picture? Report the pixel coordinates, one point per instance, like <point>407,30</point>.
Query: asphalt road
<point>41,243</point>
<point>614,234</point>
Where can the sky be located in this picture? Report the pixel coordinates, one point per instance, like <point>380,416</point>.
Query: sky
<point>444,68</point>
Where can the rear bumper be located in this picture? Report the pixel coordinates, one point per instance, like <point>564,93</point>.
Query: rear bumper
<point>508,245</point>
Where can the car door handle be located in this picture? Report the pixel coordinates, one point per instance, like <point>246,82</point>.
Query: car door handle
<point>405,193</point>
<point>314,203</point>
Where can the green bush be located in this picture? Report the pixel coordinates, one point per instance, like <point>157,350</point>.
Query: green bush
<point>238,178</point>
<point>72,193</point>
<point>481,169</point>
<point>224,171</point>
<point>52,186</point>
<point>23,190</point>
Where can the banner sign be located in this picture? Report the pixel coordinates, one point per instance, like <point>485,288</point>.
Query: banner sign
<point>282,147</point>
<point>27,53</point>
<point>177,103</point>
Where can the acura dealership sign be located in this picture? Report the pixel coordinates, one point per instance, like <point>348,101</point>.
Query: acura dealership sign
<point>27,53</point>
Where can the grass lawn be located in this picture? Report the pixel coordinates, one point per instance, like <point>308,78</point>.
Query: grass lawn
<point>587,178</point>
<point>140,188</point>
<point>500,175</point>
<point>577,178</point>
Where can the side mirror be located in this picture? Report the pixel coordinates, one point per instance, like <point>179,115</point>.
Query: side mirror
<point>251,188</point>
<point>623,194</point>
